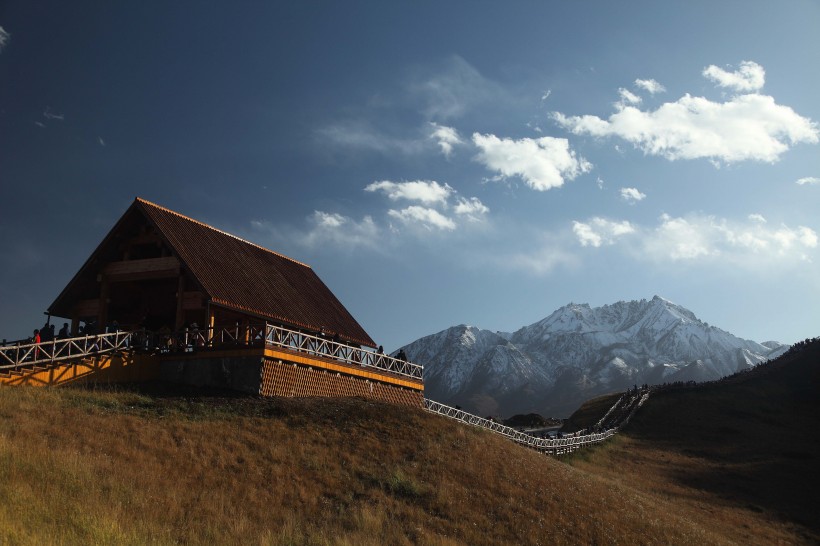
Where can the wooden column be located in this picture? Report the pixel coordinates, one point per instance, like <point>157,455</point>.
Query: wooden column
<point>211,320</point>
<point>180,320</point>
<point>102,315</point>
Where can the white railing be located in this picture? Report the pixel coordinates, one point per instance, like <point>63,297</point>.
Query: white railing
<point>321,346</point>
<point>553,446</point>
<point>46,352</point>
<point>193,339</point>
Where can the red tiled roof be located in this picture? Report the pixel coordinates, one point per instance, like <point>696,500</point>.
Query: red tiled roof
<point>238,274</point>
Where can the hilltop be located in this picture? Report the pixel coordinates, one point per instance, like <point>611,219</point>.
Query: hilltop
<point>152,467</point>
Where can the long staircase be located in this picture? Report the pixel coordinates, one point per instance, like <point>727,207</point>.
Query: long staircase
<point>617,416</point>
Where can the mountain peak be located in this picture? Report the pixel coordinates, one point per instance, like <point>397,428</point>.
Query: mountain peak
<point>579,351</point>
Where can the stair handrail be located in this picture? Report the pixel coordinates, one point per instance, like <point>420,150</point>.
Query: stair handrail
<point>46,352</point>
<point>555,446</point>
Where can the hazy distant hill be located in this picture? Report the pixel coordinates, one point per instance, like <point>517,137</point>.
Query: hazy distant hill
<point>578,352</point>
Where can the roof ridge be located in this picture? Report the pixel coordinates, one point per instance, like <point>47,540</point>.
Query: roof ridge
<point>146,202</point>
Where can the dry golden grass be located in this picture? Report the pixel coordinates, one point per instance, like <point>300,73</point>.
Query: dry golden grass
<point>132,468</point>
<point>734,463</point>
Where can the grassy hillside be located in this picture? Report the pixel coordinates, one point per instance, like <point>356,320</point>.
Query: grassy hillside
<point>100,467</point>
<point>590,412</point>
<point>744,450</point>
<point>723,464</point>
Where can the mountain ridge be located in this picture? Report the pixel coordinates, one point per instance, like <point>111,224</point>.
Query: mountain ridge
<point>577,352</point>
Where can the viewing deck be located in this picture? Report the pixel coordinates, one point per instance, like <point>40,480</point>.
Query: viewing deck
<point>280,341</point>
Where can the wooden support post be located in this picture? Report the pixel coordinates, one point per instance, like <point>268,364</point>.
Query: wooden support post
<point>211,321</point>
<point>180,319</point>
<point>102,315</point>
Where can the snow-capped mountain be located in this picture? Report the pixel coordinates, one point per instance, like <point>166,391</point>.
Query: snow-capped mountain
<point>578,352</point>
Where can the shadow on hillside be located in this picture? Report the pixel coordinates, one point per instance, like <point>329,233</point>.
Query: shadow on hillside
<point>753,441</point>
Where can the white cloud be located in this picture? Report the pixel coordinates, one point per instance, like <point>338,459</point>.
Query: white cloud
<point>542,163</point>
<point>747,244</point>
<point>650,86</point>
<point>447,138</point>
<point>809,180</point>
<point>752,244</point>
<point>327,229</point>
<point>600,231</point>
<point>426,217</point>
<point>341,231</point>
<point>4,38</point>
<point>328,220</point>
<point>628,97</point>
<point>472,209</point>
<point>101,141</point>
<point>425,191</point>
<point>681,239</point>
<point>750,76</point>
<point>747,127</point>
<point>632,195</point>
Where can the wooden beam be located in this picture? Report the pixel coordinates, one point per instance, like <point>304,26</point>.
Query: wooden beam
<point>87,308</point>
<point>193,300</point>
<point>147,268</point>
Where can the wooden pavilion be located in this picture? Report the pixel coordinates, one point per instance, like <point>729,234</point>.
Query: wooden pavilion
<point>160,271</point>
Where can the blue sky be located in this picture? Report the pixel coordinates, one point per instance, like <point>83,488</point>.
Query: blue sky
<point>436,163</point>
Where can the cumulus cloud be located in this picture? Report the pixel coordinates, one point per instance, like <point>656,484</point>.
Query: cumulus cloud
<point>600,231</point>
<point>700,237</point>
<point>423,216</point>
<point>326,229</point>
<point>4,38</point>
<point>651,86</point>
<point>425,191</point>
<point>472,209</point>
<point>628,97</point>
<point>752,243</point>
<point>747,127</point>
<point>632,195</point>
<point>446,137</point>
<point>750,76</point>
<point>435,200</point>
<point>808,181</point>
<point>542,163</point>
<point>341,231</point>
